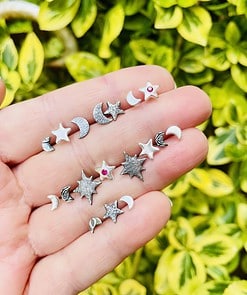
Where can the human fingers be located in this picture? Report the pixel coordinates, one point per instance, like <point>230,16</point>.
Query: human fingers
<point>50,231</point>
<point>25,125</point>
<point>185,107</point>
<point>89,257</point>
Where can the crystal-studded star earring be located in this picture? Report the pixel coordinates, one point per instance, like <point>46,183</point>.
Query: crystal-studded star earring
<point>112,211</point>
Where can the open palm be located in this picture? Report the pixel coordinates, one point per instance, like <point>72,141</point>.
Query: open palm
<point>53,252</point>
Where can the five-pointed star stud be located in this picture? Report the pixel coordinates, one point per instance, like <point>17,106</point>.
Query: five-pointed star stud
<point>105,171</point>
<point>112,211</point>
<point>148,149</point>
<point>133,166</point>
<point>149,91</point>
<point>114,110</point>
<point>87,187</point>
<point>61,133</point>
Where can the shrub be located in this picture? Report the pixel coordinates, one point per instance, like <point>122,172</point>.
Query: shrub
<point>202,250</point>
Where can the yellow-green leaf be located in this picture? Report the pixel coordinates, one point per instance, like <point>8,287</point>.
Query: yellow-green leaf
<point>217,144</point>
<point>132,287</point>
<point>12,82</point>
<point>196,25</point>
<point>168,18</point>
<point>238,288</point>
<point>212,182</point>
<point>181,234</point>
<point>100,288</point>
<point>216,249</point>
<point>161,273</point>
<point>84,65</point>
<point>56,14</point>
<point>8,54</point>
<point>177,188</point>
<point>216,287</point>
<point>85,17</point>
<point>142,49</point>
<point>239,75</point>
<point>242,216</point>
<point>31,59</point>
<point>114,21</point>
<point>185,266</point>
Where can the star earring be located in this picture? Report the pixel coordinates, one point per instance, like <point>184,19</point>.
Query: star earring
<point>149,91</point>
<point>61,133</point>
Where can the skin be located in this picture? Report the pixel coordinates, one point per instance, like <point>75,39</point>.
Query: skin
<point>53,252</point>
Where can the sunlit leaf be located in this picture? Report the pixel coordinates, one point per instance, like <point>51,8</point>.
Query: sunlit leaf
<point>238,287</point>
<point>196,25</point>
<point>232,33</point>
<point>177,188</point>
<point>100,288</point>
<point>84,65</point>
<point>132,7</point>
<point>165,3</point>
<point>212,182</point>
<point>242,215</point>
<point>216,287</point>
<point>85,17</point>
<point>239,75</point>
<point>114,21</point>
<point>216,249</point>
<point>185,266</point>
<point>167,18</point>
<point>31,59</point>
<point>243,176</point>
<point>132,287</point>
<point>56,14</point>
<point>218,272</point>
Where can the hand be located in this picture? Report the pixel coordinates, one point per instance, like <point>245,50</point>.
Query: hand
<point>53,252</point>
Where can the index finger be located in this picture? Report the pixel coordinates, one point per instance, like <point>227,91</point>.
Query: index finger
<point>24,125</point>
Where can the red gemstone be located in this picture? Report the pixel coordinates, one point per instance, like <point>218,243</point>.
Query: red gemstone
<point>104,172</point>
<point>150,89</point>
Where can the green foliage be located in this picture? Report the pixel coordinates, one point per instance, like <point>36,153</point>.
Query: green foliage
<point>49,44</point>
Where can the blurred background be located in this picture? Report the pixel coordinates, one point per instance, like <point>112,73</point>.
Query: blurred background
<point>49,44</point>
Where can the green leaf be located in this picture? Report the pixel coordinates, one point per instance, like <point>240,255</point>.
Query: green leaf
<point>196,25</point>
<point>242,58</point>
<point>132,287</point>
<point>142,49</point>
<point>132,7</point>
<point>8,54</point>
<point>84,65</point>
<point>196,202</point>
<point>201,78</point>
<point>168,18</point>
<point>215,249</point>
<point>163,56</point>
<point>217,144</point>
<point>216,58</point>
<point>239,75</point>
<point>191,61</point>
<point>216,287</point>
<point>114,21</point>
<point>238,287</point>
<point>56,14</point>
<point>31,59</point>
<point>232,33</point>
<point>212,182</point>
<point>185,266</point>
<point>85,18</point>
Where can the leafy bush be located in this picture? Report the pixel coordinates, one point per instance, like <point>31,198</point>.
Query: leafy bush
<point>203,248</point>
